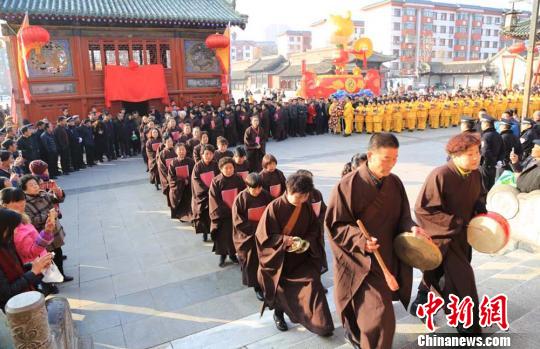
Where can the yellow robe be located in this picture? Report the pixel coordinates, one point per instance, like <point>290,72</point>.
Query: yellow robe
<point>387,118</point>
<point>359,118</point>
<point>446,112</point>
<point>348,115</point>
<point>422,114</point>
<point>397,117</point>
<point>378,112</point>
<point>369,118</point>
<point>434,114</point>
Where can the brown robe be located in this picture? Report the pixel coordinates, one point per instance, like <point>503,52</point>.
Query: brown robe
<point>180,190</point>
<point>199,192</point>
<point>152,160</point>
<point>319,208</point>
<point>273,182</point>
<point>163,171</point>
<point>197,156</point>
<point>190,145</point>
<point>255,151</point>
<point>221,212</point>
<point>245,222</point>
<point>242,169</point>
<point>445,205</point>
<point>291,282</point>
<point>363,300</point>
<point>218,155</point>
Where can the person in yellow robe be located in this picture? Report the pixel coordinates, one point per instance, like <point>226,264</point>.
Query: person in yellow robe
<point>422,108</point>
<point>378,112</point>
<point>411,115</point>
<point>434,113</point>
<point>501,104</point>
<point>477,103</point>
<point>519,107</point>
<point>397,117</point>
<point>369,117</point>
<point>359,117</point>
<point>490,106</point>
<point>446,111</point>
<point>348,116</point>
<point>387,116</point>
<point>455,109</point>
<point>534,104</point>
<point>467,107</point>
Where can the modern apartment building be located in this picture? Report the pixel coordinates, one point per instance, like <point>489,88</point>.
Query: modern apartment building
<point>246,50</point>
<point>421,31</point>
<point>293,41</point>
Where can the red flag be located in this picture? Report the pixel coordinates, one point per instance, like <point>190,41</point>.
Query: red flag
<point>21,61</point>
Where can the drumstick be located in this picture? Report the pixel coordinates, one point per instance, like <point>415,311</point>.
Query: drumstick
<point>390,279</point>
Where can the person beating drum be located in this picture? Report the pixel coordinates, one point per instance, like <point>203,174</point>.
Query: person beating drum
<point>450,197</point>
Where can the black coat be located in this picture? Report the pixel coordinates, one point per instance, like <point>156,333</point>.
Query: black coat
<point>492,148</point>
<point>87,135</point>
<point>61,137</point>
<point>529,175</point>
<point>510,141</point>
<point>26,147</point>
<point>527,137</point>
<point>47,139</point>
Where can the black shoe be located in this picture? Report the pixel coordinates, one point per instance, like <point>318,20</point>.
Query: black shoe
<point>205,237</point>
<point>280,322</point>
<point>259,294</point>
<point>349,339</point>
<point>222,261</point>
<point>233,259</point>
<point>421,298</point>
<point>48,289</point>
<point>64,257</point>
<point>68,278</point>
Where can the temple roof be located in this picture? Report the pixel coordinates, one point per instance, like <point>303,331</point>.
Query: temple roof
<point>152,13</point>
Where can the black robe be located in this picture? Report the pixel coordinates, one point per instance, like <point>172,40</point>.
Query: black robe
<point>291,281</point>
<point>273,182</point>
<point>180,188</point>
<point>218,155</point>
<point>242,170</point>
<point>255,150</point>
<point>151,152</point>
<point>164,156</point>
<point>199,191</point>
<point>222,193</point>
<point>247,211</point>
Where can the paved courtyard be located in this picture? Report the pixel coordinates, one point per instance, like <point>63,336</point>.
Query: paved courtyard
<point>143,280</point>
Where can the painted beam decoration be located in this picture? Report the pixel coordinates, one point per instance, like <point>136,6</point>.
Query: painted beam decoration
<point>366,83</point>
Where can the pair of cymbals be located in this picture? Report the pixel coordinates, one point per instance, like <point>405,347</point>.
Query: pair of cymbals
<point>299,245</point>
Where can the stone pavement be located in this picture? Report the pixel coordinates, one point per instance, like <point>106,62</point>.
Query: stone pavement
<point>143,280</point>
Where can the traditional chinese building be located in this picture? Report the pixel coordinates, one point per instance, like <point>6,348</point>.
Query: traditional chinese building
<point>87,35</point>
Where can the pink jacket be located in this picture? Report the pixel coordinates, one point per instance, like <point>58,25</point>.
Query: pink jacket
<point>29,243</point>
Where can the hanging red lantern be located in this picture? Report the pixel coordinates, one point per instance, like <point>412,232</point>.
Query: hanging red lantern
<point>517,48</point>
<point>34,37</point>
<point>216,41</point>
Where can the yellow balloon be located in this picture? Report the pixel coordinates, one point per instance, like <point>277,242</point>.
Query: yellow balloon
<point>363,45</point>
<point>342,28</point>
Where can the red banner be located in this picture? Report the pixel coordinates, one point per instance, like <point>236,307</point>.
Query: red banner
<point>135,83</point>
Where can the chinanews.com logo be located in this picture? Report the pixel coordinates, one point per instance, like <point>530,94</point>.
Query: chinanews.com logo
<point>461,313</point>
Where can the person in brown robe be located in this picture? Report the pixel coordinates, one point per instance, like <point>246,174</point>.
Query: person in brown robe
<point>272,178</point>
<point>224,189</point>
<point>241,165</point>
<point>450,197</point>
<point>164,158</point>
<point>201,178</point>
<point>179,174</point>
<point>197,150</point>
<point>377,197</point>
<point>152,146</point>
<point>291,282</point>
<point>193,142</point>
<point>254,142</point>
<point>246,213</point>
<point>186,134</point>
<point>319,208</point>
<point>222,151</point>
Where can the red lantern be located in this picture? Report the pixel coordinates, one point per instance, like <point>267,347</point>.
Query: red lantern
<point>517,48</point>
<point>34,37</point>
<point>215,41</point>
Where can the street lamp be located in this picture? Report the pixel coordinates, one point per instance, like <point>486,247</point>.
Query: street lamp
<point>511,19</point>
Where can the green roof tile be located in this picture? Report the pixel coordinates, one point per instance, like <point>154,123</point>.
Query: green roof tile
<point>211,11</point>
